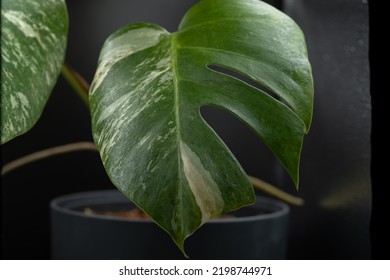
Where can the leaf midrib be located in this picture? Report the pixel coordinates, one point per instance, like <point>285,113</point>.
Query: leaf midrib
<point>177,121</point>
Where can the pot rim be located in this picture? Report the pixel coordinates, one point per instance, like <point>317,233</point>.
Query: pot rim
<point>65,203</point>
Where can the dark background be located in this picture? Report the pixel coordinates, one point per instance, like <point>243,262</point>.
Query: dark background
<point>335,168</point>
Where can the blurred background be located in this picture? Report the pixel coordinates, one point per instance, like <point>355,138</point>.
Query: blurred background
<point>334,223</point>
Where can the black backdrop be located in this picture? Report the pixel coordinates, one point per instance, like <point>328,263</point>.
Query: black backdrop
<point>335,179</point>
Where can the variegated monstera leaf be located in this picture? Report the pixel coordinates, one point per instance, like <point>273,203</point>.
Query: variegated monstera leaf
<point>33,42</point>
<point>148,90</point>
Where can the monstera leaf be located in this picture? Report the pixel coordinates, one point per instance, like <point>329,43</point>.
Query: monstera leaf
<point>146,98</point>
<point>33,41</point>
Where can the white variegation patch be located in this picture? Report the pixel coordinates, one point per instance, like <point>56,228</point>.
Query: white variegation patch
<point>121,47</point>
<point>20,19</point>
<point>205,189</point>
<point>163,138</point>
<point>120,114</point>
<point>106,112</point>
<point>144,140</point>
<point>32,48</point>
<point>18,103</point>
<point>14,103</point>
<point>145,102</point>
<point>24,102</point>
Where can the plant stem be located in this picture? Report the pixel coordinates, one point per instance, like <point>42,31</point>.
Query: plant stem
<point>78,146</point>
<point>275,192</point>
<point>90,146</point>
<point>77,82</point>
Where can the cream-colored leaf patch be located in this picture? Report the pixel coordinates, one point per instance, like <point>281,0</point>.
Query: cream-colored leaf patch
<point>205,189</point>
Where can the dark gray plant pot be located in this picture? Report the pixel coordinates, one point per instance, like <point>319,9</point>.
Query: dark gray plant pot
<point>79,236</point>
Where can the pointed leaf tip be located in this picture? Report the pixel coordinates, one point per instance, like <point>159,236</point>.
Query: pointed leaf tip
<point>148,90</point>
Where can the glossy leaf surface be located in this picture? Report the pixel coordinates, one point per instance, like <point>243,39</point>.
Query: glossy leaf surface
<point>147,94</point>
<point>33,42</point>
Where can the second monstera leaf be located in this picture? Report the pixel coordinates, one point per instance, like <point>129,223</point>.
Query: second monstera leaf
<point>33,43</point>
<point>146,98</point>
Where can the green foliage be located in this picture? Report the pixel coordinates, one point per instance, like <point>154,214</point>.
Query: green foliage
<point>148,90</point>
<point>147,93</point>
<point>33,42</point>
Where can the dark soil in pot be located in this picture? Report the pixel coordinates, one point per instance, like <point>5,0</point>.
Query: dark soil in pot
<point>82,228</point>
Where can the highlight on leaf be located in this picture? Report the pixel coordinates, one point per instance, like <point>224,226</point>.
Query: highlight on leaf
<point>147,93</point>
<point>33,43</point>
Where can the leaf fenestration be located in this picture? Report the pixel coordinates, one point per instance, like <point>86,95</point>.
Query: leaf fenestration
<point>146,97</point>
